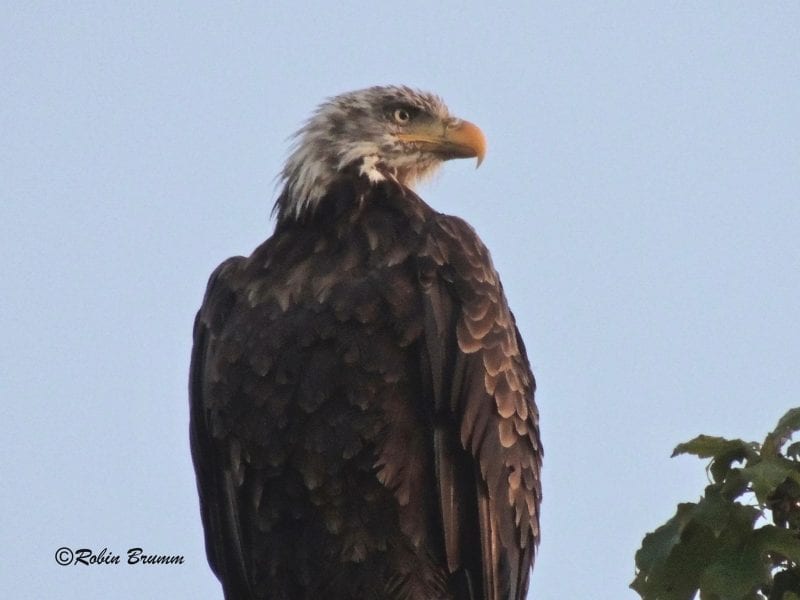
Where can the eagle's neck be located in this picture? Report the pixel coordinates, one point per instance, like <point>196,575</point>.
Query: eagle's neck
<point>309,178</point>
<point>320,160</point>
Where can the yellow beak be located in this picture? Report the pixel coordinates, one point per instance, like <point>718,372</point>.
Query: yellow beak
<point>453,138</point>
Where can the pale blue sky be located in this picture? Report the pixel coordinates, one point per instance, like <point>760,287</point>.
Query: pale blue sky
<point>641,198</point>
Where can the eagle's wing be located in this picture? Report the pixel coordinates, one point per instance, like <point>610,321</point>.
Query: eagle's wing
<point>218,483</point>
<point>487,447</point>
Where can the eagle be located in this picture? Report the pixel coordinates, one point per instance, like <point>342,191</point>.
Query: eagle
<point>362,415</point>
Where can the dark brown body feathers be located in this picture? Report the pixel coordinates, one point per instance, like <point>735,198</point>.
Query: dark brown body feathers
<point>362,415</point>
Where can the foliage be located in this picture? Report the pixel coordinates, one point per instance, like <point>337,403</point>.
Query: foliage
<point>714,546</point>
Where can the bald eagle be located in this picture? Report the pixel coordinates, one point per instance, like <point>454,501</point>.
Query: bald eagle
<point>362,414</point>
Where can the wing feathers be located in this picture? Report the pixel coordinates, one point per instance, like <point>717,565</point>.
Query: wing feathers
<point>217,483</point>
<point>477,360</point>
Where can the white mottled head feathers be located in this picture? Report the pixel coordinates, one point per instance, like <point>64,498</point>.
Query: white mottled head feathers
<point>359,128</point>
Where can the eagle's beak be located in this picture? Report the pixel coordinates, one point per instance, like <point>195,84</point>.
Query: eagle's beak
<point>453,138</point>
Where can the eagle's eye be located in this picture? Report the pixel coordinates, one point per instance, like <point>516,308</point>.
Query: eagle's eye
<point>401,115</point>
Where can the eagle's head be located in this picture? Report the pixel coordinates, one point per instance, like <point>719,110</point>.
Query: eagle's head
<point>384,131</point>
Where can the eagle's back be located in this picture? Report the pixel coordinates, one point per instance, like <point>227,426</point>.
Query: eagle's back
<point>363,424</point>
<point>313,400</point>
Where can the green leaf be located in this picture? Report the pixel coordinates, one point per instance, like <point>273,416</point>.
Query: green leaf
<point>788,424</point>
<point>723,451</point>
<point>711,546</point>
<point>779,541</point>
<point>738,567</point>
<point>738,570</point>
<point>768,474</point>
<point>719,513</point>
<point>657,545</point>
<point>673,557</point>
<point>785,585</point>
<point>735,484</point>
<point>793,451</point>
<point>709,446</point>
